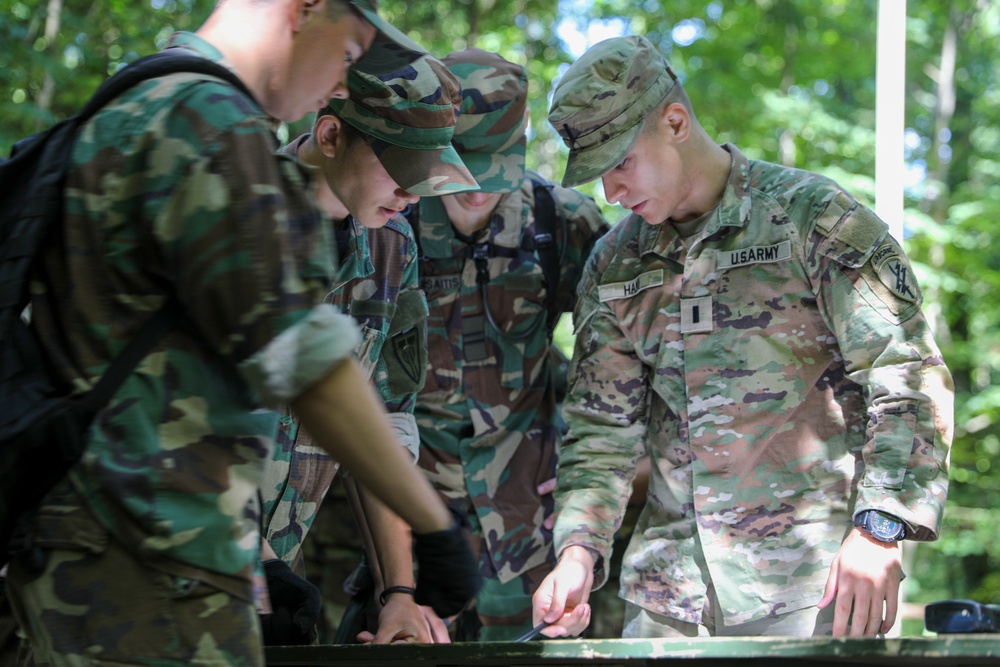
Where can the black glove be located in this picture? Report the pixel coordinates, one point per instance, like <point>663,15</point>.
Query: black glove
<point>295,605</point>
<point>447,575</point>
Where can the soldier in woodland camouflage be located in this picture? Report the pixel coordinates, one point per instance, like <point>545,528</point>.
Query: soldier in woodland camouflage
<point>146,553</point>
<point>488,435</point>
<point>759,332</point>
<point>377,152</point>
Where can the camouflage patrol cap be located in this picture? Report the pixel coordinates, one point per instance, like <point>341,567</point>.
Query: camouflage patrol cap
<point>391,49</point>
<point>600,103</point>
<point>409,116</point>
<point>490,133</point>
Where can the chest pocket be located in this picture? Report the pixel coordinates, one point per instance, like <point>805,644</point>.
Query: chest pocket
<point>373,317</point>
<point>516,324</point>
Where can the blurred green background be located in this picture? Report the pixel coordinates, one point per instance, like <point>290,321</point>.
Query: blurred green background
<point>787,81</point>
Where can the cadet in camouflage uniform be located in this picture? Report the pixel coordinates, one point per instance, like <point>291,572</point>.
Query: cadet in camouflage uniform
<point>377,152</point>
<point>144,554</point>
<point>758,331</point>
<point>488,435</point>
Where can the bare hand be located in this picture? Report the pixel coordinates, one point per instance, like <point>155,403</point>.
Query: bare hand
<point>562,596</point>
<point>438,628</point>
<point>399,622</point>
<point>865,575</point>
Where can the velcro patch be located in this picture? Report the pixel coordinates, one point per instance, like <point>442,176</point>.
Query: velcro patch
<point>696,315</point>
<point>629,289</point>
<point>760,254</point>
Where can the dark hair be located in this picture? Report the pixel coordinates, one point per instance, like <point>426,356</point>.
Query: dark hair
<point>676,95</point>
<point>349,131</point>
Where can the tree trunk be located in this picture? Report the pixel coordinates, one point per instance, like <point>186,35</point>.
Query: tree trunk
<point>44,100</point>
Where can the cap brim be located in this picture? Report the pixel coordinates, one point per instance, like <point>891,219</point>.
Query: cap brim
<point>390,51</point>
<point>499,171</point>
<point>425,173</point>
<point>590,163</point>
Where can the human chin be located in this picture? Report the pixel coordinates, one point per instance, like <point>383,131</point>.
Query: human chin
<point>378,217</point>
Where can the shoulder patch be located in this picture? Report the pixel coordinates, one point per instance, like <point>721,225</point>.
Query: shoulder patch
<point>893,271</point>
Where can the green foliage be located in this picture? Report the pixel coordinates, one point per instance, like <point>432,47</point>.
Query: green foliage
<point>45,77</point>
<point>787,81</point>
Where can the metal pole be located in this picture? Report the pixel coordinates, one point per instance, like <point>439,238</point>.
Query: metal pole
<point>890,90</point>
<point>890,76</point>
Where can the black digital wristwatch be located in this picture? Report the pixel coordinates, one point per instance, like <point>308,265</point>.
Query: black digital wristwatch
<point>883,527</point>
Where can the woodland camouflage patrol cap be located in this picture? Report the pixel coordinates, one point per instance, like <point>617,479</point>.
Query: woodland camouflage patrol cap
<point>391,49</point>
<point>490,132</point>
<point>409,117</point>
<point>600,103</point>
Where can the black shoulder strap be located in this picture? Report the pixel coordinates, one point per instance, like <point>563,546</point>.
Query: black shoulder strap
<point>136,349</point>
<point>156,65</point>
<point>547,243</point>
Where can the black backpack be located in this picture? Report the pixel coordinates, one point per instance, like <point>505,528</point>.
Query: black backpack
<point>42,430</point>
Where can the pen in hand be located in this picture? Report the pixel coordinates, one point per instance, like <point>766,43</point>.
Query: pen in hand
<point>533,632</point>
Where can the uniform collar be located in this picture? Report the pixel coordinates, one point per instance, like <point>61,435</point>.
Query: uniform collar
<point>353,248</point>
<point>732,211</point>
<point>438,238</point>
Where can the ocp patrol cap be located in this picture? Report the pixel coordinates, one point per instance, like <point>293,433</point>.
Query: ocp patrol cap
<point>409,117</point>
<point>600,103</point>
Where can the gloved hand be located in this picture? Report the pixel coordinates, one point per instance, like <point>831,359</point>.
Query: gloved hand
<point>296,607</point>
<point>447,575</point>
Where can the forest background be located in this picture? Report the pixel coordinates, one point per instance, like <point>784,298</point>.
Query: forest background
<point>789,81</point>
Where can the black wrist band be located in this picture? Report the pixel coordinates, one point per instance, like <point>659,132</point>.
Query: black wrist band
<point>395,589</point>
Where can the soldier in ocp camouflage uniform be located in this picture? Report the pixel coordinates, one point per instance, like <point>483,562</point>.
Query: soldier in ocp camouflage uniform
<point>376,152</point>
<point>144,553</point>
<point>488,436</point>
<point>758,331</point>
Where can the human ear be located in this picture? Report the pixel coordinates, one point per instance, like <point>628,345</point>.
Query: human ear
<point>328,135</point>
<point>677,120</point>
<point>305,10</point>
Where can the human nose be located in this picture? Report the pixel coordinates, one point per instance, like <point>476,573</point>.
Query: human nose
<point>613,189</point>
<point>407,197</point>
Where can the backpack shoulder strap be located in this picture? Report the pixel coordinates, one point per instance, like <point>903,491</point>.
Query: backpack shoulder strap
<point>122,366</point>
<point>156,65</point>
<point>547,243</point>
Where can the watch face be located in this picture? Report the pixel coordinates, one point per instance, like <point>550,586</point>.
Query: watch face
<point>883,527</point>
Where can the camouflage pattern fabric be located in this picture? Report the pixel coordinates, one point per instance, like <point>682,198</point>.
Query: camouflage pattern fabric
<point>376,284</point>
<point>596,108</point>
<point>490,132</point>
<point>84,599</point>
<point>779,371</point>
<point>409,118</point>
<point>154,207</point>
<point>486,414</point>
